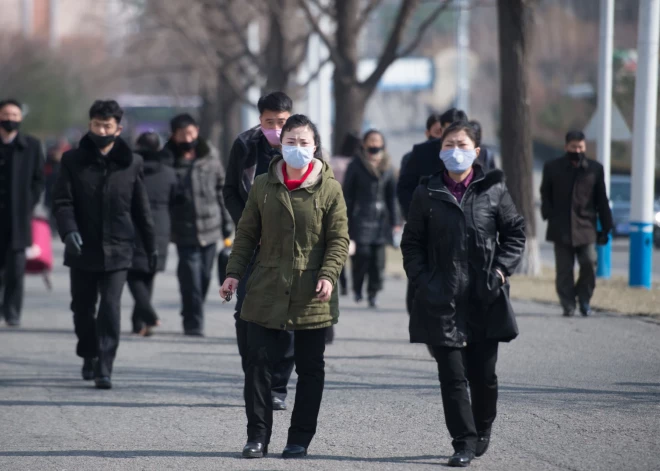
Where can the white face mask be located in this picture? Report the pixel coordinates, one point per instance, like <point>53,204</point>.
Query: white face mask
<point>458,160</point>
<point>297,157</point>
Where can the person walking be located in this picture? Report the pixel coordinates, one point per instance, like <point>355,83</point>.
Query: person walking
<point>99,201</point>
<point>21,185</point>
<point>199,217</point>
<point>573,200</point>
<point>486,157</point>
<point>370,194</point>
<point>462,241</point>
<point>297,213</point>
<point>250,156</point>
<point>161,185</point>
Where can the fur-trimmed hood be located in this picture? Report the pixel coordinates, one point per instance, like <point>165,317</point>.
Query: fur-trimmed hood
<point>121,154</point>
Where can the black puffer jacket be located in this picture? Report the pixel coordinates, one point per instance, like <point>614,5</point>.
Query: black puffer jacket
<point>161,184</point>
<point>370,196</point>
<point>450,253</point>
<point>103,198</point>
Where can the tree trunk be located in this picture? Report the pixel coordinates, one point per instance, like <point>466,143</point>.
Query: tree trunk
<point>515,25</point>
<point>229,112</point>
<point>350,105</point>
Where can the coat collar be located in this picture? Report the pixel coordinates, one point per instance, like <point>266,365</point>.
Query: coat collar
<point>276,174</point>
<point>202,151</point>
<point>584,163</point>
<point>120,154</point>
<point>480,178</point>
<point>20,141</point>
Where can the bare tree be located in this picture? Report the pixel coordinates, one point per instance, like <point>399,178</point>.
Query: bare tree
<point>515,27</point>
<point>349,17</point>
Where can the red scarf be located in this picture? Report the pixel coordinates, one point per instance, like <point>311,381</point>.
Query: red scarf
<point>295,184</point>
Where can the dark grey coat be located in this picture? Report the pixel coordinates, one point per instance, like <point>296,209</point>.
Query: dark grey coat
<point>199,216</point>
<point>27,183</point>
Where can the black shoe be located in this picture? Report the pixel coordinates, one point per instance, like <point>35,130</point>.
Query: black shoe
<point>103,382</point>
<point>279,404</point>
<point>89,366</point>
<point>255,450</point>
<point>358,298</point>
<point>585,309</point>
<point>294,451</point>
<point>193,333</point>
<point>372,302</point>
<point>482,445</point>
<point>568,313</point>
<point>461,459</point>
<point>13,323</point>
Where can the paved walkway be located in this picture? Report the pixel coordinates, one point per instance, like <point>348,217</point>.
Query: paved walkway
<point>579,394</point>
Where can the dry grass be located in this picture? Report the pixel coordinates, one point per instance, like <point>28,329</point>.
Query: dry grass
<point>611,295</point>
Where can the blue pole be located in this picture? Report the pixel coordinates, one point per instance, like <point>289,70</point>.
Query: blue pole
<point>604,267</point>
<point>641,254</point>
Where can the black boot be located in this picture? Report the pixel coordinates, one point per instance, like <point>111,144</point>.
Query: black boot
<point>88,369</point>
<point>103,382</point>
<point>482,444</point>
<point>255,450</point>
<point>461,459</point>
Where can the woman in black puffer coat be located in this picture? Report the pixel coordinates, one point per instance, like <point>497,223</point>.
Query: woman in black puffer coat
<point>462,241</point>
<point>161,184</point>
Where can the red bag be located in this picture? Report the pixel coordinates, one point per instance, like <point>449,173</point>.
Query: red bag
<point>40,256</point>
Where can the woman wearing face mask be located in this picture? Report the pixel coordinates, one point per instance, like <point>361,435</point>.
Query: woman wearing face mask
<point>298,215</point>
<point>462,241</point>
<point>370,192</point>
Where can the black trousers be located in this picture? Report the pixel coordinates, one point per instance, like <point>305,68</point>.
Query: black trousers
<point>567,289</point>
<point>266,347</point>
<point>98,335</point>
<point>473,365</point>
<point>368,261</point>
<point>12,281</point>
<point>194,273</point>
<point>141,286</point>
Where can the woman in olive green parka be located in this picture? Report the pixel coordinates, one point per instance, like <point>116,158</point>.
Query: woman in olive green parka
<point>297,214</point>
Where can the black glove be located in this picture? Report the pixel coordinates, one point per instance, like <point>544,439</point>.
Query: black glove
<point>153,261</point>
<point>73,244</point>
<point>603,238</point>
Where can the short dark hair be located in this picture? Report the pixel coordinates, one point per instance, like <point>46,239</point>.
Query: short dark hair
<point>371,132</point>
<point>11,101</point>
<point>182,121</point>
<point>574,135</point>
<point>476,125</point>
<point>148,141</point>
<point>350,145</point>
<point>452,115</point>
<point>106,109</point>
<point>276,101</point>
<point>458,126</point>
<point>300,121</point>
<point>433,119</point>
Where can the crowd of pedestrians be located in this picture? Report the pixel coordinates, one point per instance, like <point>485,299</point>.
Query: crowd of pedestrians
<point>297,218</point>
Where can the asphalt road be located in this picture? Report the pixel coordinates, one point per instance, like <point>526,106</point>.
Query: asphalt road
<point>577,394</point>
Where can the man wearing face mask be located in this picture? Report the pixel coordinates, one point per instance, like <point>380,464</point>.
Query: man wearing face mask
<point>199,217</point>
<point>573,195</point>
<point>21,184</point>
<point>250,156</point>
<point>100,202</point>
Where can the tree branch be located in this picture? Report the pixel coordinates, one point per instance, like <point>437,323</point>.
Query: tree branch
<point>423,27</point>
<point>316,73</point>
<point>332,49</point>
<point>364,16</point>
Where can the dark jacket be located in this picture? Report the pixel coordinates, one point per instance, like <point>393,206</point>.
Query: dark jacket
<point>199,217</point>
<point>27,183</point>
<point>249,149</point>
<point>572,199</point>
<point>370,202</point>
<point>161,185</point>
<point>450,253</point>
<point>486,159</point>
<point>104,199</point>
<point>424,161</point>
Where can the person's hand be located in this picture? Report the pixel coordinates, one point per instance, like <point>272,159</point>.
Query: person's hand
<point>603,238</point>
<point>153,261</point>
<point>323,290</point>
<point>351,248</point>
<point>73,244</point>
<point>228,287</point>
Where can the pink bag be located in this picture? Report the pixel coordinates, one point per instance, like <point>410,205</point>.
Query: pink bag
<point>40,255</point>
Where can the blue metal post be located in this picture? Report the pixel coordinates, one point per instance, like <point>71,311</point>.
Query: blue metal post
<point>641,254</point>
<point>604,268</point>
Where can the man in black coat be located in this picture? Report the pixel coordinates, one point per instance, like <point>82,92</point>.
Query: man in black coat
<point>161,185</point>
<point>21,184</point>
<point>250,156</point>
<point>99,200</point>
<point>573,197</point>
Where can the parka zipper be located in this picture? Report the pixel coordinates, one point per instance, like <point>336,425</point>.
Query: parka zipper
<point>265,198</point>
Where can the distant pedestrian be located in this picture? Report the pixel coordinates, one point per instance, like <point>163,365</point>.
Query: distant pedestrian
<point>100,204</point>
<point>573,199</point>
<point>21,184</point>
<point>251,156</point>
<point>161,185</point>
<point>370,193</point>
<point>298,215</point>
<point>199,217</point>
<point>486,157</point>
<point>462,241</point>
<point>433,131</point>
<point>51,171</point>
